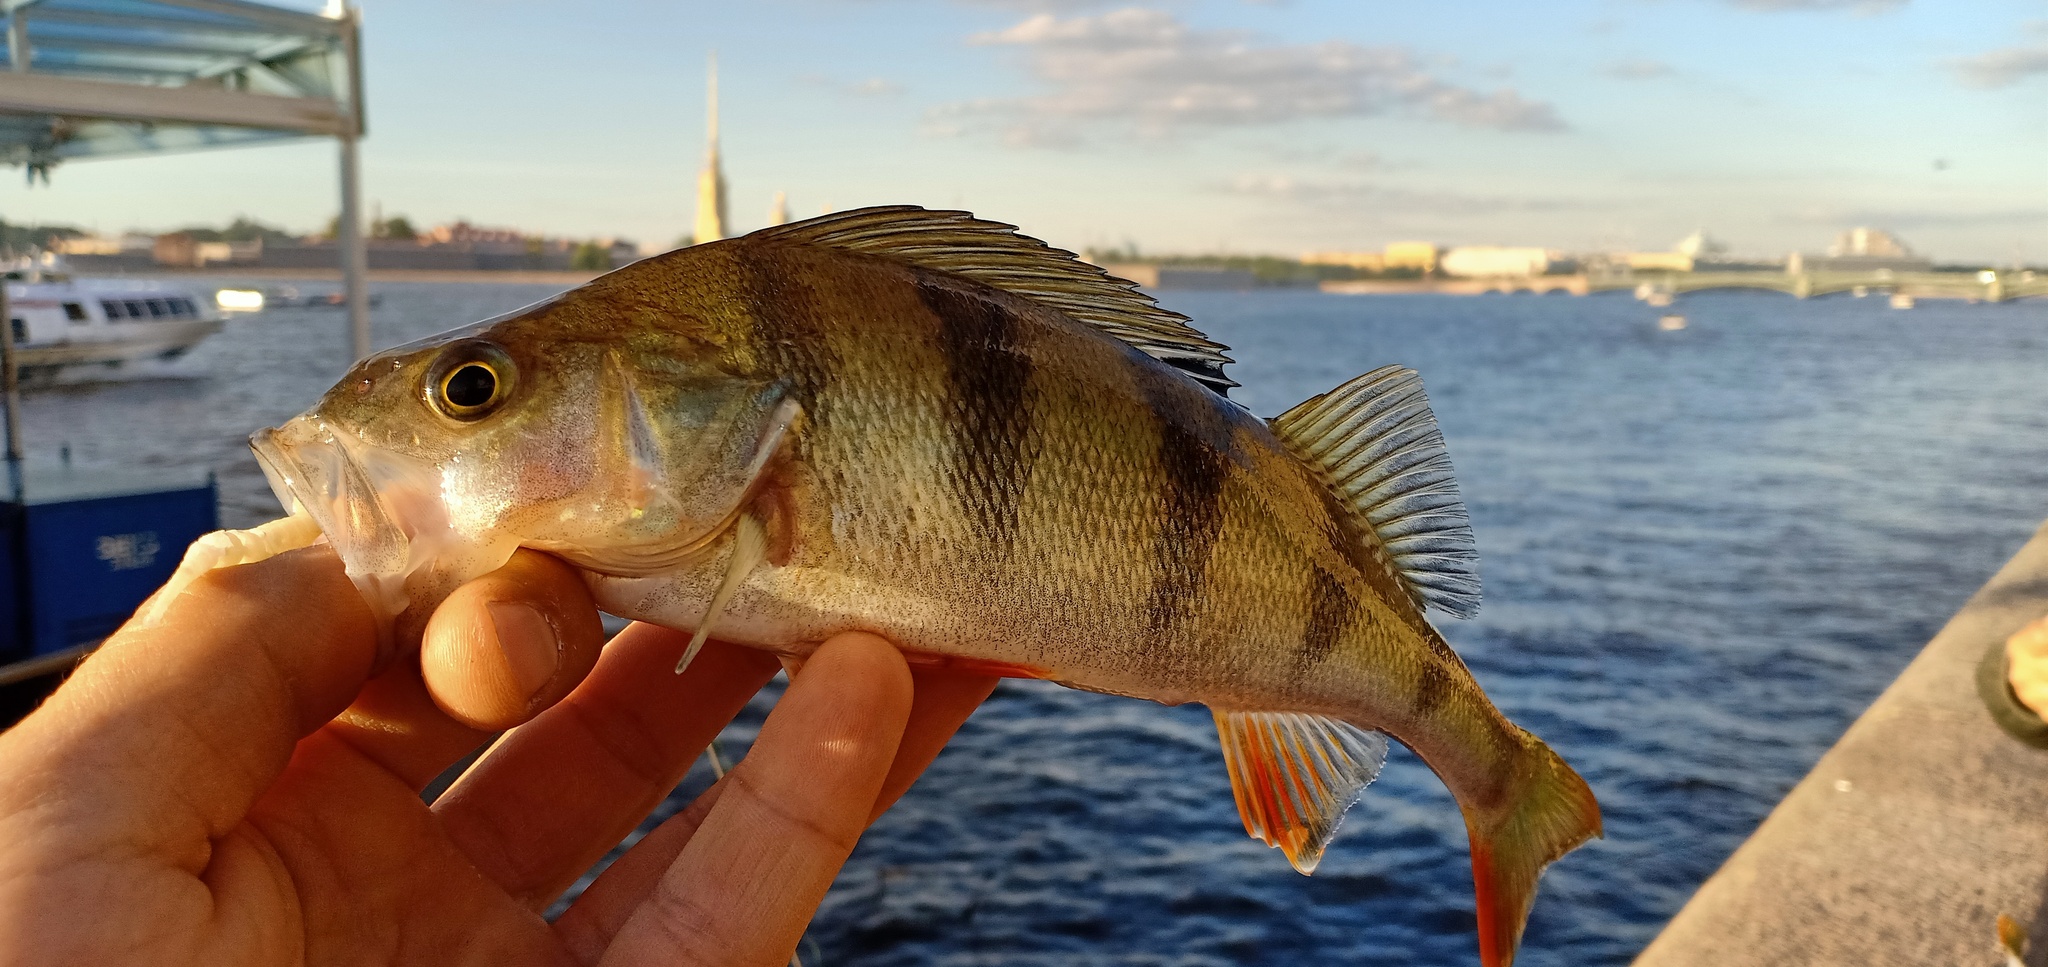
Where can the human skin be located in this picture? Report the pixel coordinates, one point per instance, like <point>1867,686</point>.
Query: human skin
<point>2026,654</point>
<point>239,783</point>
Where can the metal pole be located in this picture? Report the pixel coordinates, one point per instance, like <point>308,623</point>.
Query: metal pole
<point>354,258</point>
<point>10,377</point>
<point>350,238</point>
<point>18,53</point>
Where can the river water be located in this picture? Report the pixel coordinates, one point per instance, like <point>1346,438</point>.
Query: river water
<point>1704,552</point>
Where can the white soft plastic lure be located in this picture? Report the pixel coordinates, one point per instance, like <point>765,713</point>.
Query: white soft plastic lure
<point>228,548</point>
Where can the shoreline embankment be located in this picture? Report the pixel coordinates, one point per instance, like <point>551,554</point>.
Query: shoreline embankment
<point>1921,825</point>
<point>505,276</point>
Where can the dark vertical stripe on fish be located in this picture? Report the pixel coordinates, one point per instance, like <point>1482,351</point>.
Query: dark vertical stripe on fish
<point>1329,616</point>
<point>1432,686</point>
<point>789,323</point>
<point>1191,499</point>
<point>989,407</point>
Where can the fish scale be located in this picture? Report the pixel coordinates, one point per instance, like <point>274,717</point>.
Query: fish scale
<point>927,426</point>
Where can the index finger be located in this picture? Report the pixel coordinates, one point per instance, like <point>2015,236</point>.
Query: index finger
<point>168,733</point>
<point>942,701</point>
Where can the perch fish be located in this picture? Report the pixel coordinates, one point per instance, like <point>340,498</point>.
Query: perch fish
<point>927,426</point>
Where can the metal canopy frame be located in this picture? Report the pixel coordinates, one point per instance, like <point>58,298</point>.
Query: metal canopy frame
<point>110,78</point>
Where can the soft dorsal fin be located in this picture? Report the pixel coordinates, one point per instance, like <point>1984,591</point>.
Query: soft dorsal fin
<point>995,254</point>
<point>1377,446</point>
<point>1295,774</point>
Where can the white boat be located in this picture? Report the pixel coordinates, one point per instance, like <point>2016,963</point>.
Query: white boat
<point>68,329</point>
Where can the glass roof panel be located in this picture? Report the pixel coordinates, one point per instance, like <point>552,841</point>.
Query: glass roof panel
<point>96,78</point>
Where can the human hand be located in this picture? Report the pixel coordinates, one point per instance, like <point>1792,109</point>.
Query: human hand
<point>2026,656</point>
<point>239,783</point>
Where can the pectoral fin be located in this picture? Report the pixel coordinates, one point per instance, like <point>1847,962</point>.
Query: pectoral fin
<point>749,549</point>
<point>1294,774</point>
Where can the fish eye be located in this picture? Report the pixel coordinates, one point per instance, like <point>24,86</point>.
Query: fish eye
<point>470,382</point>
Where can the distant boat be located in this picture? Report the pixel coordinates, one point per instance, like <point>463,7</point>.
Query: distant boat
<point>1900,300</point>
<point>1671,322</point>
<point>289,297</point>
<point>67,327</point>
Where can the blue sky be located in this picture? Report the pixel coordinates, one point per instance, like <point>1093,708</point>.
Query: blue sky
<point>1181,125</point>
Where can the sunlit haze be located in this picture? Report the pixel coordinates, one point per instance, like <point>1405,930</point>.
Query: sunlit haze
<point>1199,126</point>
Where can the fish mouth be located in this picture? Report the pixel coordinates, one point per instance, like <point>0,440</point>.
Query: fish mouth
<point>355,494</point>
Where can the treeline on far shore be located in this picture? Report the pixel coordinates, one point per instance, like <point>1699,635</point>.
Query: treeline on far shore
<point>1268,270</point>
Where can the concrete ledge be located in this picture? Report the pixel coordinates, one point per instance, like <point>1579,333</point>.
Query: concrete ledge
<point>1909,837</point>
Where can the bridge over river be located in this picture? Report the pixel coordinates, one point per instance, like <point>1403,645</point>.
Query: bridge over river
<point>1661,288</point>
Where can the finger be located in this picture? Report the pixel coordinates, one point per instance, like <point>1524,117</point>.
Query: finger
<point>745,886</point>
<point>420,716</point>
<point>512,642</point>
<point>556,794</point>
<point>589,925</point>
<point>164,737</point>
<point>943,701</point>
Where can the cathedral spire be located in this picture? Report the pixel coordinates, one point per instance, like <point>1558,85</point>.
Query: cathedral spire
<point>711,182</point>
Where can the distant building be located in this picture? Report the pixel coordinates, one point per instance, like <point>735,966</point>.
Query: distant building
<point>130,243</point>
<point>1363,261</point>
<point>1498,261</point>
<point>1411,255</point>
<point>1699,246</point>
<point>1869,243</point>
<point>778,211</point>
<point>1657,261</point>
<point>1861,250</point>
<point>1698,252</point>
<point>1154,276</point>
<point>711,220</point>
<point>181,249</point>
<point>473,238</point>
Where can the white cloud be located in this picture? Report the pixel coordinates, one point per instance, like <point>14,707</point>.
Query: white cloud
<point>1857,6</point>
<point>1037,6</point>
<point>1145,72</point>
<point>1353,195</point>
<point>1903,218</point>
<point>872,87</point>
<point>1638,70</point>
<point>1330,155</point>
<point>2004,67</point>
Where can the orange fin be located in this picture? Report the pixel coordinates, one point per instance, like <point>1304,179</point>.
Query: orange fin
<point>1549,812</point>
<point>973,666</point>
<point>1294,774</point>
<point>2012,938</point>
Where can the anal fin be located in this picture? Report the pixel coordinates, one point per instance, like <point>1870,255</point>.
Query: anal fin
<point>1295,774</point>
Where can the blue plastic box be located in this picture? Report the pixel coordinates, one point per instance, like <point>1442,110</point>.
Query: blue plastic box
<point>89,545</point>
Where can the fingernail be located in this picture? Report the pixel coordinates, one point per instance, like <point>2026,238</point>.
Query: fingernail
<point>528,640</point>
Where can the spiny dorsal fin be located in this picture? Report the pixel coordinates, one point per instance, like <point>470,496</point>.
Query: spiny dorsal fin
<point>1377,446</point>
<point>1295,774</point>
<point>995,254</point>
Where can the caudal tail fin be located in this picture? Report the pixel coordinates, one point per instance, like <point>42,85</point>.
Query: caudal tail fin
<point>1548,813</point>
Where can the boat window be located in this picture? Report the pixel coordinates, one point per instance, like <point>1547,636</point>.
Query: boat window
<point>136,310</point>
<point>113,308</point>
<point>20,331</point>
<point>181,307</point>
<point>74,312</point>
<point>156,308</point>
